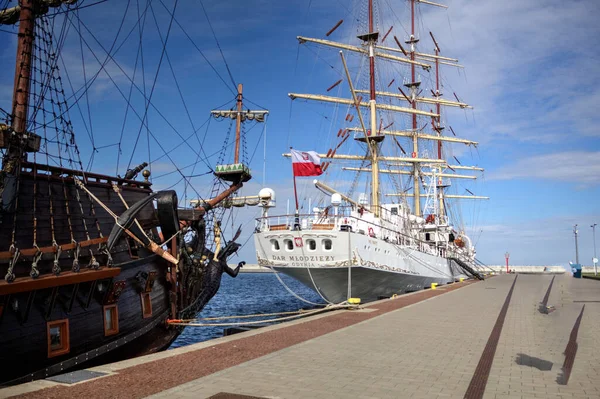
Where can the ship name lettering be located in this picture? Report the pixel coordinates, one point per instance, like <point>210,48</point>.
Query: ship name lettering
<point>313,258</point>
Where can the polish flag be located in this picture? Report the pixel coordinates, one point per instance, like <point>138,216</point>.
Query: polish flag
<point>306,163</point>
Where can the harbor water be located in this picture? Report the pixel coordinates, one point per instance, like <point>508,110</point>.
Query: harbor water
<point>248,293</point>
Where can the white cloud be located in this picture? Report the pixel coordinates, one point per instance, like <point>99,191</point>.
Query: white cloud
<point>539,242</point>
<point>531,68</point>
<point>572,166</point>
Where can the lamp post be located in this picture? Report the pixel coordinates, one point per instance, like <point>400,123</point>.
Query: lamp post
<point>595,260</point>
<point>576,248</point>
<point>507,255</point>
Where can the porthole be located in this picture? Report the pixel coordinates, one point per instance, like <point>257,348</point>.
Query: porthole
<point>312,245</point>
<point>274,245</point>
<point>289,245</point>
<point>327,244</point>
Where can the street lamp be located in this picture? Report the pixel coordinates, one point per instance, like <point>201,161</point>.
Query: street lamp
<point>507,255</point>
<point>576,248</point>
<point>595,259</point>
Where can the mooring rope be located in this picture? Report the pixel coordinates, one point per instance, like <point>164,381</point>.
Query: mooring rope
<point>177,322</point>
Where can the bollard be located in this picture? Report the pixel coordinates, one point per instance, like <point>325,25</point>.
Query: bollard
<point>462,279</point>
<point>433,285</point>
<point>354,301</point>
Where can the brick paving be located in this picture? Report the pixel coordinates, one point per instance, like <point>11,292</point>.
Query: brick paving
<point>390,350</point>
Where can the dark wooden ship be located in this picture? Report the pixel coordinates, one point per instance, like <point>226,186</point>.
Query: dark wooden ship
<point>93,266</point>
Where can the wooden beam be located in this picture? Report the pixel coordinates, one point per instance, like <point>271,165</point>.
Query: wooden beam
<point>347,101</point>
<point>361,50</point>
<point>25,284</point>
<point>47,250</point>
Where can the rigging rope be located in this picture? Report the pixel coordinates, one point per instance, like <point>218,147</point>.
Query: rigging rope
<point>218,45</point>
<point>162,55</point>
<point>234,92</point>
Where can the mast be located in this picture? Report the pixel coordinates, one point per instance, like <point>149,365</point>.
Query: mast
<point>11,164</point>
<point>413,94</point>
<point>438,126</point>
<point>238,172</point>
<point>372,101</point>
<point>20,105</point>
<point>238,124</point>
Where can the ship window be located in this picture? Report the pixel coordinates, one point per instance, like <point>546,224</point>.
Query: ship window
<point>146,304</point>
<point>394,210</point>
<point>288,245</point>
<point>427,237</point>
<point>58,337</point>
<point>327,245</point>
<point>275,245</point>
<point>312,245</point>
<point>111,320</point>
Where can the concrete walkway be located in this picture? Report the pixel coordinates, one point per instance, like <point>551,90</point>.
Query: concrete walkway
<point>431,349</point>
<point>424,345</point>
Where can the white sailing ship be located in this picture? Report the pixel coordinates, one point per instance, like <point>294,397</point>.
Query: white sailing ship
<point>402,238</point>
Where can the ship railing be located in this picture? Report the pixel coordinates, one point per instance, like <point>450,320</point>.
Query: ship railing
<point>59,174</point>
<point>308,222</point>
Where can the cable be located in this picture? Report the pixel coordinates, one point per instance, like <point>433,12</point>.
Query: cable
<point>218,45</point>
<point>162,55</point>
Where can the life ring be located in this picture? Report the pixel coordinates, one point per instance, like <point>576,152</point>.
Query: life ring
<point>371,232</point>
<point>346,221</point>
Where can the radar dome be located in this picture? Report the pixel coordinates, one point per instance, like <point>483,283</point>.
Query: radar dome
<point>336,199</point>
<point>266,197</point>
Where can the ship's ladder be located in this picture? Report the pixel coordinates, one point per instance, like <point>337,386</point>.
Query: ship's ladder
<point>466,268</point>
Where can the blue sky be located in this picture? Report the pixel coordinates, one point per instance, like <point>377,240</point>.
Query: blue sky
<point>530,72</point>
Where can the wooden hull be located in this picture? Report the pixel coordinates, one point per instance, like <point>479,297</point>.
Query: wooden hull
<point>31,307</point>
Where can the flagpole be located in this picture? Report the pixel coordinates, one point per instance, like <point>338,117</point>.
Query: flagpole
<point>295,193</point>
<point>296,214</point>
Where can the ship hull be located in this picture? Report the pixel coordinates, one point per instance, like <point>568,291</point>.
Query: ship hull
<point>133,285</point>
<point>366,283</point>
<point>89,344</point>
<point>376,268</point>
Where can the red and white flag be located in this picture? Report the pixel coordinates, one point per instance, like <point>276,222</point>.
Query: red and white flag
<point>306,163</point>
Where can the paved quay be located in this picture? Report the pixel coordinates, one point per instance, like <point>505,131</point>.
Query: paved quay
<point>490,339</point>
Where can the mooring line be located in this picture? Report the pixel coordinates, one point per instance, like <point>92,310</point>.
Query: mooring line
<point>570,351</point>
<point>544,304</point>
<point>482,371</point>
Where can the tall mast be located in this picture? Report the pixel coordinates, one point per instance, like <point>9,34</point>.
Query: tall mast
<point>438,125</point>
<point>20,105</point>
<point>372,37</point>
<point>238,124</point>
<point>11,164</point>
<point>237,172</point>
<point>413,94</point>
